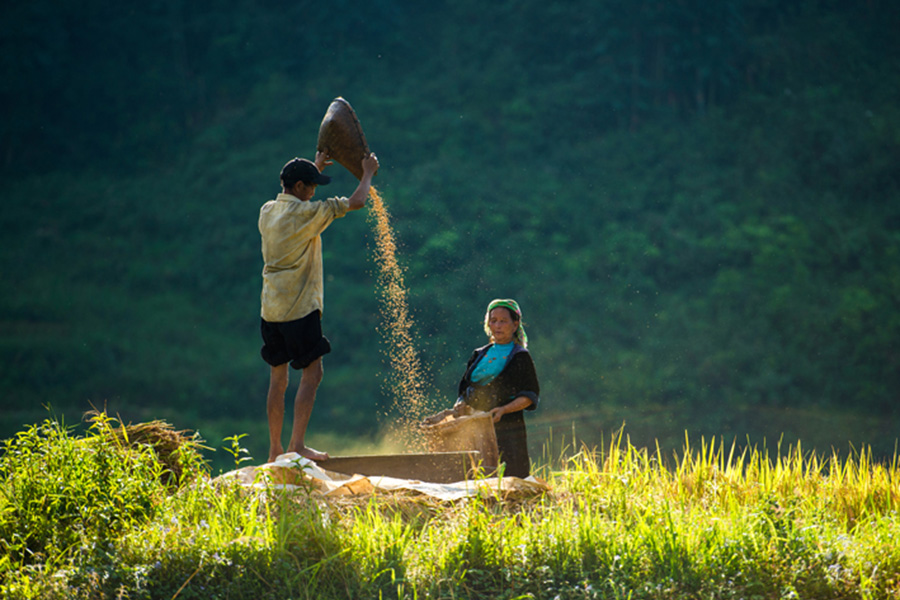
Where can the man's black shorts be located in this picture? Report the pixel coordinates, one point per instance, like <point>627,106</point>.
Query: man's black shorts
<point>299,342</point>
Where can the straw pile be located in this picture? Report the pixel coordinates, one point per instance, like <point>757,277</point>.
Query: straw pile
<point>174,449</point>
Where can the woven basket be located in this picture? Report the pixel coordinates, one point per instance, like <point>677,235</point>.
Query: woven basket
<point>341,137</point>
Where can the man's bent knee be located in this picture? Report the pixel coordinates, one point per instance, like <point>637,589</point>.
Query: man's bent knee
<point>313,373</point>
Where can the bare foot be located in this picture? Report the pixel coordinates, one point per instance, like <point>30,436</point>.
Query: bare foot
<point>310,453</point>
<point>274,453</point>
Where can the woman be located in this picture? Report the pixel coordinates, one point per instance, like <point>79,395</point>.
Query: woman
<point>500,379</point>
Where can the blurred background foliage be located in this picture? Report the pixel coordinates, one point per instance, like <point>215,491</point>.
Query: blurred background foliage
<point>695,203</point>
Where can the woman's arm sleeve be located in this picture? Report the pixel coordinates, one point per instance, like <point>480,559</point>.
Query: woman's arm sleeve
<point>463,383</point>
<point>526,380</point>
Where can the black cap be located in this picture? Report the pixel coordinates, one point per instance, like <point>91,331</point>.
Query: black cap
<point>301,169</point>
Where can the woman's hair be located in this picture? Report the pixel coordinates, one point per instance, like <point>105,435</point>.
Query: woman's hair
<point>514,311</point>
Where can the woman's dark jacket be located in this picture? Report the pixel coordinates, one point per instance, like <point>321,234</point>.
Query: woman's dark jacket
<point>518,378</point>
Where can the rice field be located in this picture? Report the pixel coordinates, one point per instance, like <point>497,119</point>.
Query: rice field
<point>108,515</point>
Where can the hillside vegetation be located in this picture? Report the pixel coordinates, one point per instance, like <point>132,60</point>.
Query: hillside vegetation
<point>696,204</point>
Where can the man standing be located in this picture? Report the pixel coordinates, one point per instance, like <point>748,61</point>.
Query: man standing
<point>292,291</point>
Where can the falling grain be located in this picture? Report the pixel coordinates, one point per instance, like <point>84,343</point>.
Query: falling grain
<point>407,374</point>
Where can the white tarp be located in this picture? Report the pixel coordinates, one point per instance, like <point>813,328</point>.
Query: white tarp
<point>293,471</point>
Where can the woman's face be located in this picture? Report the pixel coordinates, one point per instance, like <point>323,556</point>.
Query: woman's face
<point>502,325</point>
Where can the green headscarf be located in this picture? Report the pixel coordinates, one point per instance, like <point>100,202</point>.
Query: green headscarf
<point>520,337</point>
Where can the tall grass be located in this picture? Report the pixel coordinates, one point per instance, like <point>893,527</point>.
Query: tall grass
<point>712,521</point>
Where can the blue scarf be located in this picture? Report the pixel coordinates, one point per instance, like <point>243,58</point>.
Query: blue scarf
<point>492,363</point>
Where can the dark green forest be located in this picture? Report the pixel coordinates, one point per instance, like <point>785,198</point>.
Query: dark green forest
<point>697,205</point>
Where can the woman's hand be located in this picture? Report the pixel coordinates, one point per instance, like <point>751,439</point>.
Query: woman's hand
<point>436,418</point>
<point>461,409</point>
<point>520,403</point>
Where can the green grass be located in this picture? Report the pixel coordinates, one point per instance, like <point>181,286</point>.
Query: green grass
<point>619,521</point>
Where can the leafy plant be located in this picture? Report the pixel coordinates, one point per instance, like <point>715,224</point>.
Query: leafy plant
<point>238,452</point>
<point>68,498</point>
